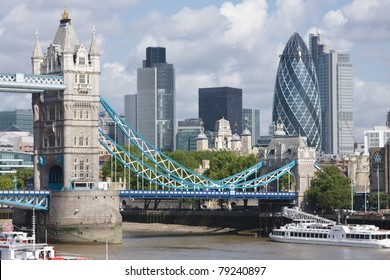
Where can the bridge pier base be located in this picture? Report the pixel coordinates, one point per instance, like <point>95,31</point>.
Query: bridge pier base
<point>84,216</point>
<point>90,216</point>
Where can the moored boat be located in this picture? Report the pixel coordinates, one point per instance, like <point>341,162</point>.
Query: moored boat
<point>17,245</point>
<point>311,232</point>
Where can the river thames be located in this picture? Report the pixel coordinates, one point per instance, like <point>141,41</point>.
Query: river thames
<point>172,242</point>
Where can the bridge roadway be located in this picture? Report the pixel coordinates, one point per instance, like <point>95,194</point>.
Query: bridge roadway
<point>40,199</point>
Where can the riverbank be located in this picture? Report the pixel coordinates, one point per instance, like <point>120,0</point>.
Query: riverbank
<point>172,228</point>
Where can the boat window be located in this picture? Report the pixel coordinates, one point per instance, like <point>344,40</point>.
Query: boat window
<point>316,235</point>
<point>348,235</point>
<point>366,236</point>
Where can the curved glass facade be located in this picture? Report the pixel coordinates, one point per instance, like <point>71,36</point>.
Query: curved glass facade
<point>296,98</point>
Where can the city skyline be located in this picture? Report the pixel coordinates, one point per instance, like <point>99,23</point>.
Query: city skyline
<point>236,44</point>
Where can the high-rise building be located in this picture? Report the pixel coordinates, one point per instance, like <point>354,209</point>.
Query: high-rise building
<point>221,102</point>
<point>335,78</point>
<point>187,132</point>
<point>21,118</point>
<point>296,97</point>
<point>131,110</point>
<point>388,119</point>
<point>155,117</point>
<point>251,121</point>
<point>376,138</point>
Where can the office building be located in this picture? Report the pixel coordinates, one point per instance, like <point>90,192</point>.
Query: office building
<point>376,138</point>
<point>221,102</point>
<point>187,132</point>
<point>20,118</point>
<point>296,97</point>
<point>251,121</point>
<point>335,78</point>
<point>155,112</point>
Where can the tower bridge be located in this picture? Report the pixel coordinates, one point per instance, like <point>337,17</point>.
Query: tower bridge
<point>66,100</point>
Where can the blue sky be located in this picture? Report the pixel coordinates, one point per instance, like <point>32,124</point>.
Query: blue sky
<point>210,43</point>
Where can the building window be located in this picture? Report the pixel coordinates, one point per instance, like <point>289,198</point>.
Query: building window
<point>82,79</point>
<point>81,141</point>
<point>51,141</point>
<point>82,60</point>
<point>52,113</point>
<point>81,165</point>
<point>75,141</point>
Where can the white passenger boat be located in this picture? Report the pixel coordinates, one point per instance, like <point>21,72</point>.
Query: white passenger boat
<point>17,245</point>
<point>311,232</point>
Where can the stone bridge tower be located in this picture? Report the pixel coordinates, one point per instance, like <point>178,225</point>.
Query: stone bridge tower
<point>66,122</point>
<point>282,150</point>
<point>66,154</point>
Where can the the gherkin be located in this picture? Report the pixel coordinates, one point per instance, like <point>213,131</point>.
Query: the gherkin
<point>296,98</point>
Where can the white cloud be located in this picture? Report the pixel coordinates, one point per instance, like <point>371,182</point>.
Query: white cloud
<point>370,107</point>
<point>236,44</point>
<point>115,83</point>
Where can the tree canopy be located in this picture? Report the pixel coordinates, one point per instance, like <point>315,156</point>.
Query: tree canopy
<point>329,190</point>
<point>222,164</point>
<point>22,174</point>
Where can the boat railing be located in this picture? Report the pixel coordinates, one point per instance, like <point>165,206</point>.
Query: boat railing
<point>296,213</point>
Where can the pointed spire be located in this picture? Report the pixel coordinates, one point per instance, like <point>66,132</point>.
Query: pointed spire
<point>93,50</point>
<point>67,41</point>
<point>37,53</point>
<point>65,14</point>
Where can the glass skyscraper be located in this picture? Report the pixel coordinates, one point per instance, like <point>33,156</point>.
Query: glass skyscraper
<point>251,121</point>
<point>296,96</point>
<point>335,78</point>
<point>21,118</point>
<point>221,102</point>
<point>155,100</point>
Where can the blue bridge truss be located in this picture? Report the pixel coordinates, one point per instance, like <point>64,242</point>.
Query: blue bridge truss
<point>26,199</point>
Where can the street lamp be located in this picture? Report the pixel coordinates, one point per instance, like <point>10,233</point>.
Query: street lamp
<point>377,178</point>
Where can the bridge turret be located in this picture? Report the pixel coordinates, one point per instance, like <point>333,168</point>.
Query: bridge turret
<point>37,57</point>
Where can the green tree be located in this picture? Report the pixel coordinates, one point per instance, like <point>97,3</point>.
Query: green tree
<point>186,159</point>
<point>384,200</point>
<point>286,182</point>
<point>6,183</point>
<point>23,174</point>
<point>329,190</point>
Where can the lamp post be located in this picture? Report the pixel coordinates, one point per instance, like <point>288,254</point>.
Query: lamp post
<point>365,198</point>
<point>377,179</point>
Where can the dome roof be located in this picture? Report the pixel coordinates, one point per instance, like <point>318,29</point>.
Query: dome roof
<point>246,132</point>
<point>235,137</point>
<point>201,136</point>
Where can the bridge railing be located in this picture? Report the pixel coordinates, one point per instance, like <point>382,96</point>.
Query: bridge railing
<point>296,213</point>
<point>29,83</point>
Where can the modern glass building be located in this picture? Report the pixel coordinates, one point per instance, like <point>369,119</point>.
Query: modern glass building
<point>11,161</point>
<point>187,132</point>
<point>21,118</point>
<point>335,79</point>
<point>155,109</point>
<point>251,120</point>
<point>221,102</point>
<point>296,96</point>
